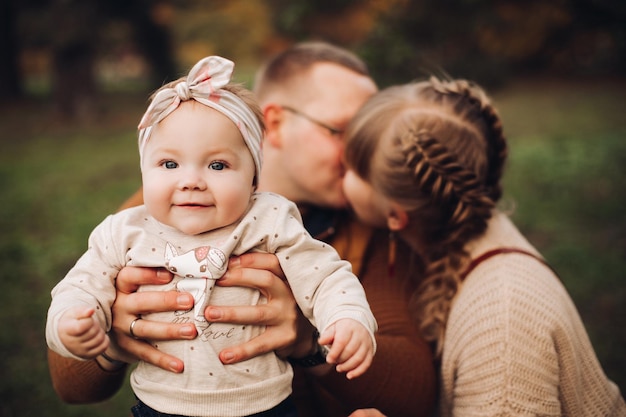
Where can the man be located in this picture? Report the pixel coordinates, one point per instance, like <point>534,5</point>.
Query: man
<point>308,95</point>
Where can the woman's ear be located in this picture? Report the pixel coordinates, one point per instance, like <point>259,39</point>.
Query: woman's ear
<point>273,118</point>
<point>397,218</point>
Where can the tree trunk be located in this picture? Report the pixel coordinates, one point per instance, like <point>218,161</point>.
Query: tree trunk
<point>10,80</point>
<point>74,86</point>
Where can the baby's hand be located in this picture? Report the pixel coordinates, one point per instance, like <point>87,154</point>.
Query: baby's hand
<point>81,334</point>
<point>351,349</point>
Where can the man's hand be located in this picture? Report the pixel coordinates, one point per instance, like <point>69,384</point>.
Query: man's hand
<point>130,304</point>
<point>260,271</point>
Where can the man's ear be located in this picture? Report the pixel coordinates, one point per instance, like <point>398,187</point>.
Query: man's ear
<point>273,118</point>
<point>397,218</point>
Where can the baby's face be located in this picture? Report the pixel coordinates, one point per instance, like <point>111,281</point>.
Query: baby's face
<point>371,207</point>
<point>197,170</point>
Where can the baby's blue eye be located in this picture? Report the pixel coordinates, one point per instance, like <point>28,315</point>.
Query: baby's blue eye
<point>218,166</point>
<point>170,165</point>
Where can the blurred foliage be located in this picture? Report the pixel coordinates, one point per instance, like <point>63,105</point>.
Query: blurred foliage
<point>480,39</point>
<point>234,29</point>
<point>564,186</point>
<point>485,40</point>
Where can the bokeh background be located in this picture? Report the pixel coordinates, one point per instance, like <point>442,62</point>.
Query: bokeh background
<point>75,77</point>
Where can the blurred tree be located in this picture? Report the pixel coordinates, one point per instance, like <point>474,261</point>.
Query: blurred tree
<point>481,39</point>
<point>487,40</point>
<point>416,39</point>
<point>72,34</point>
<point>74,43</point>
<point>237,29</point>
<point>79,39</point>
<point>345,22</point>
<point>10,81</point>
<point>593,43</point>
<point>151,32</point>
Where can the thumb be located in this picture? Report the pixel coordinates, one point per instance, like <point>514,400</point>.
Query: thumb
<point>328,336</point>
<point>79,313</point>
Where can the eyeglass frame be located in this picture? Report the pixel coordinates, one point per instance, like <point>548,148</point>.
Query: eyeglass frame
<point>332,130</point>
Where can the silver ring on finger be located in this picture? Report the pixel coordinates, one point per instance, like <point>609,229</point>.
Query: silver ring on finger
<point>132,327</point>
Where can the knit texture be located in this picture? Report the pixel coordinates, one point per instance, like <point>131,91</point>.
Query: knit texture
<point>515,344</point>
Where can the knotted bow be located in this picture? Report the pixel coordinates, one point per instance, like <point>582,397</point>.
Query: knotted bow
<point>204,84</point>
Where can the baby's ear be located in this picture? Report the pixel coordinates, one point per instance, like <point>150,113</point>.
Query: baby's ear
<point>397,218</point>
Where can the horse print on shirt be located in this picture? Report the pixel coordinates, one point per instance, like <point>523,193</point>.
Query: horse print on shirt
<point>196,267</point>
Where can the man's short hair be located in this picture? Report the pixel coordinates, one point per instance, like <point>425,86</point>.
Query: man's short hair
<point>298,59</point>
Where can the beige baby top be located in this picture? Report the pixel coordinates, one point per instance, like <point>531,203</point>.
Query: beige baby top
<point>324,287</point>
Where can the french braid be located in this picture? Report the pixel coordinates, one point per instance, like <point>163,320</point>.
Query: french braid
<point>494,135</point>
<point>466,205</point>
<point>469,200</point>
<point>437,148</point>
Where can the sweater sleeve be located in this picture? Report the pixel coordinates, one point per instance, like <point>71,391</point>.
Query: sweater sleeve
<point>88,283</point>
<point>323,284</point>
<point>515,345</point>
<point>82,382</point>
<point>77,381</point>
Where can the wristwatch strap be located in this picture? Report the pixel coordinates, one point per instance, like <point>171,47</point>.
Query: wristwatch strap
<point>116,365</point>
<point>316,358</point>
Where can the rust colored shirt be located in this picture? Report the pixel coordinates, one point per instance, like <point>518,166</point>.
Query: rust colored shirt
<point>402,378</point>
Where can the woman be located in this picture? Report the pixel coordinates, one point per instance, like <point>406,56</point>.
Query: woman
<point>425,160</point>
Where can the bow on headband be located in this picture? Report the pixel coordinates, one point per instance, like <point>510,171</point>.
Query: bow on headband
<point>204,84</point>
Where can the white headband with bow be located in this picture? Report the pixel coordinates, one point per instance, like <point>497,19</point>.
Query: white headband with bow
<point>204,84</point>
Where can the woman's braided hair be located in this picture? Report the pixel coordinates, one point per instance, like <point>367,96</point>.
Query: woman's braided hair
<point>437,149</point>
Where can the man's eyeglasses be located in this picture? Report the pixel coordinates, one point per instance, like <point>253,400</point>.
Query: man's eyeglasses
<point>332,130</point>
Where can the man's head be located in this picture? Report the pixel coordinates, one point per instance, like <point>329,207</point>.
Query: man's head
<point>308,94</point>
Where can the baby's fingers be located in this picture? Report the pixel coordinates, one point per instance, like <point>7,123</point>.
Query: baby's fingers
<point>81,334</point>
<point>352,356</point>
<point>95,341</point>
<point>79,313</point>
<point>77,320</point>
<point>356,365</point>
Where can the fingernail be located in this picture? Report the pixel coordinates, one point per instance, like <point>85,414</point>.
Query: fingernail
<point>234,261</point>
<point>227,356</point>
<point>175,367</point>
<point>184,300</point>
<point>163,275</point>
<point>187,331</point>
<point>215,313</point>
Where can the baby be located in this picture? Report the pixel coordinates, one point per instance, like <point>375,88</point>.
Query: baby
<point>200,154</point>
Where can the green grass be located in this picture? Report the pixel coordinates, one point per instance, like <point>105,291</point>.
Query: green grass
<point>58,182</point>
<point>564,180</point>
<point>565,186</point>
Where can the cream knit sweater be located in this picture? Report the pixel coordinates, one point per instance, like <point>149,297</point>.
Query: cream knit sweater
<point>324,287</point>
<point>515,344</point>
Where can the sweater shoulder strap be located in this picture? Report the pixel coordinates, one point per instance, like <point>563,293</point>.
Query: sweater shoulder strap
<point>499,251</point>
